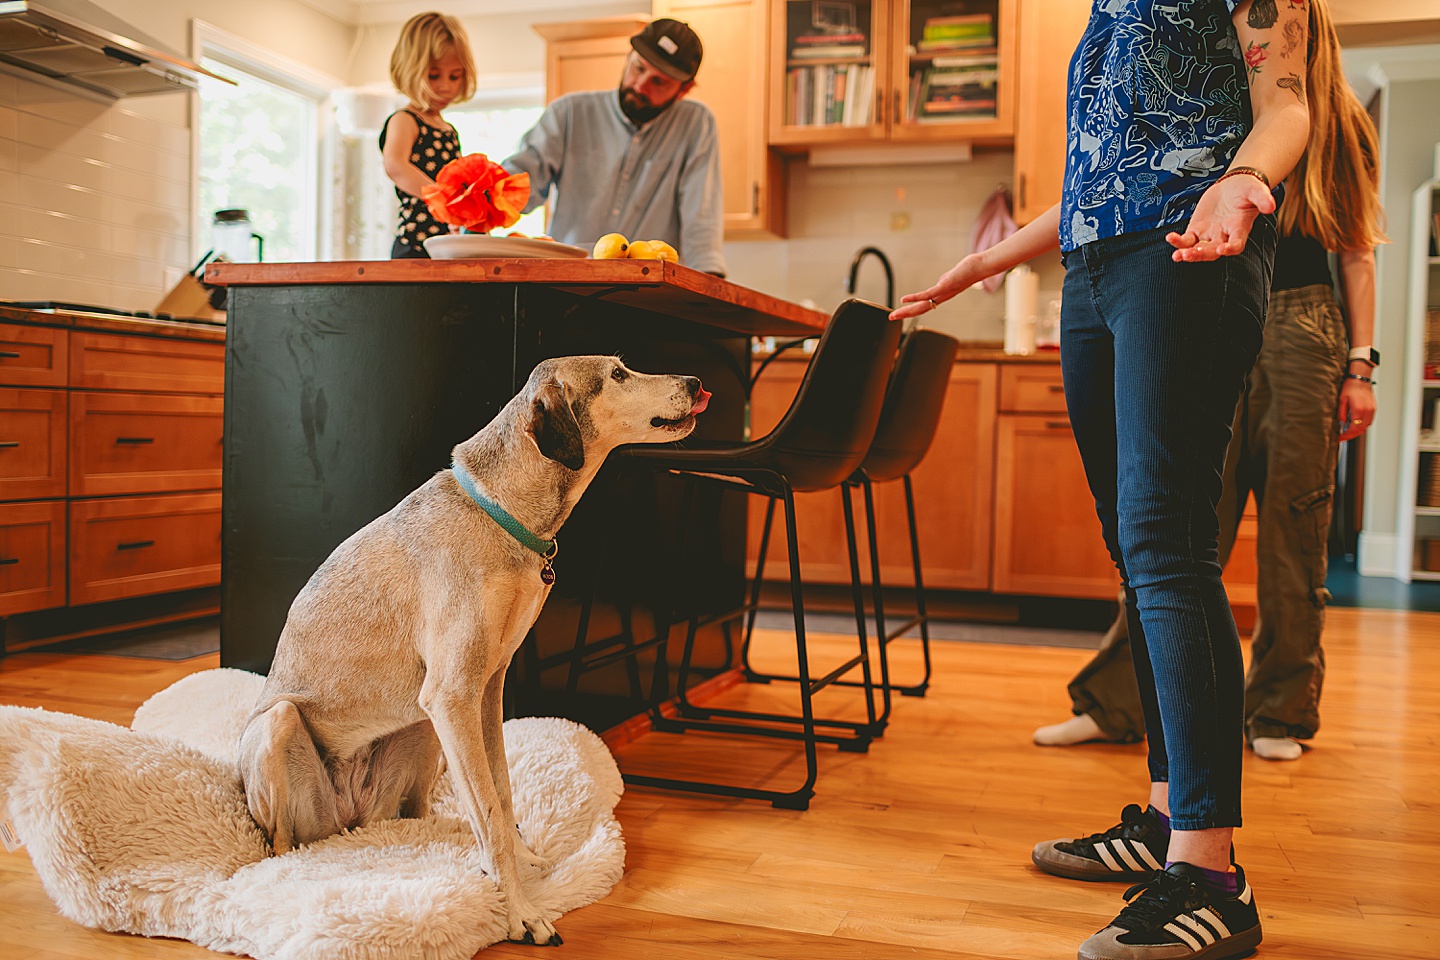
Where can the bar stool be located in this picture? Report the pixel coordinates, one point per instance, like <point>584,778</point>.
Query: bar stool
<point>819,443</point>
<point>908,421</point>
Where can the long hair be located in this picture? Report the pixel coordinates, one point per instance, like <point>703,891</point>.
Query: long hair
<point>425,38</point>
<point>1333,194</point>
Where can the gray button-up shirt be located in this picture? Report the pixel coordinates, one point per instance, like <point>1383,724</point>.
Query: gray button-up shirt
<point>660,181</point>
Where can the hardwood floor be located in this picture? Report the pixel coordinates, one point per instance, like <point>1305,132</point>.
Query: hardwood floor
<point>921,848</point>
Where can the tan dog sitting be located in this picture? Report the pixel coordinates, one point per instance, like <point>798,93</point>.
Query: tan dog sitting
<point>394,653</point>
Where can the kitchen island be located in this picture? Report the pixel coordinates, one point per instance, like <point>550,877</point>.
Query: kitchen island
<point>347,384</point>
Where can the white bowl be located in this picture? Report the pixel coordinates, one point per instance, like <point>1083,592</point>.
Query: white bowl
<point>459,246</point>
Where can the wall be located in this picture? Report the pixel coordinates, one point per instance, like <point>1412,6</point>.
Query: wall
<point>1409,131</point>
<point>502,43</point>
<point>95,198</point>
<point>834,211</point>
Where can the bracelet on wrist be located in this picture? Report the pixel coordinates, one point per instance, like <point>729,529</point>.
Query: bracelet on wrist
<point>1356,376</point>
<point>1237,171</point>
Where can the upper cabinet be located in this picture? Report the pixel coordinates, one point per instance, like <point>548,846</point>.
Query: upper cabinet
<point>1049,31</point>
<point>731,82</point>
<point>899,70</point>
<point>586,54</point>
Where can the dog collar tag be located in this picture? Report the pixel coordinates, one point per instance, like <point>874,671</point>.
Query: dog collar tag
<point>547,574</point>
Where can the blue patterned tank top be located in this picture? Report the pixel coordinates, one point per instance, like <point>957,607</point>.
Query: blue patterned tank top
<point>1158,103</point>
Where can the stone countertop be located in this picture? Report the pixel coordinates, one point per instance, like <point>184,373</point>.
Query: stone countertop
<point>108,323</point>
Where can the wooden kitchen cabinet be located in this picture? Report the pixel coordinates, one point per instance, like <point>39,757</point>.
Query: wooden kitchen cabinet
<point>32,444</point>
<point>586,54</point>
<point>952,495</point>
<point>892,70</point>
<point>32,556</point>
<point>731,82</point>
<point>1049,32</point>
<point>110,463</point>
<point>33,356</point>
<point>134,546</point>
<point>1047,537</point>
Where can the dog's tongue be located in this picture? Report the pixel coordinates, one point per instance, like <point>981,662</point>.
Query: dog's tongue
<point>702,400</point>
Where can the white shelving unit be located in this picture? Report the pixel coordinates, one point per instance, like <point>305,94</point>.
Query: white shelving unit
<point>1420,433</point>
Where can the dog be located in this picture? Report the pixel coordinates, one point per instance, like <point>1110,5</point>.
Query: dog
<point>393,655</point>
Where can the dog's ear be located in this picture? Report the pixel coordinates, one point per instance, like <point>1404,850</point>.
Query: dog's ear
<point>553,424</point>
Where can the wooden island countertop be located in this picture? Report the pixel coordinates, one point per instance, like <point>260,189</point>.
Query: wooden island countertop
<point>652,285</point>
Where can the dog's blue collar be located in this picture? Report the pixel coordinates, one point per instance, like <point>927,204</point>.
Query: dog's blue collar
<point>546,548</point>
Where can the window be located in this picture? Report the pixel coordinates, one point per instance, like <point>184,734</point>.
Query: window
<point>495,130</point>
<point>259,146</point>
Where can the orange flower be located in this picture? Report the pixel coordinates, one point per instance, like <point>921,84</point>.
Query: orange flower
<point>478,194</point>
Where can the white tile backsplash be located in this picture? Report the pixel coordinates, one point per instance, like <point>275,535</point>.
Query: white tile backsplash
<point>834,211</point>
<point>94,198</point>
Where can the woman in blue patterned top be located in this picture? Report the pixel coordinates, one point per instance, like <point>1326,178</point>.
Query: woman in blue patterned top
<point>1182,113</point>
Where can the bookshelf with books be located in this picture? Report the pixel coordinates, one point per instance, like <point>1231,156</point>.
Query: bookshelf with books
<point>892,70</point>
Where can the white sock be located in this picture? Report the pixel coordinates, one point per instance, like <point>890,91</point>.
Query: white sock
<point>1080,728</point>
<point>1277,748</point>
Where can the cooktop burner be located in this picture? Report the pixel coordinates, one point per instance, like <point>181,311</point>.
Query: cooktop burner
<point>60,306</point>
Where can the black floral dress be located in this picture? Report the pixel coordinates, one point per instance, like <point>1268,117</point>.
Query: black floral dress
<point>433,148</point>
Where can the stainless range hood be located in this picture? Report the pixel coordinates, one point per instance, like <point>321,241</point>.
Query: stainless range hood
<point>77,45</point>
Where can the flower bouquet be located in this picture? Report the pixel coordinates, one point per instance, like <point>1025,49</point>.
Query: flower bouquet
<point>477,194</point>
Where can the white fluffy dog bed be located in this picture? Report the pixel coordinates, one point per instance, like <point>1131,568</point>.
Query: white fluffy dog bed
<point>146,831</point>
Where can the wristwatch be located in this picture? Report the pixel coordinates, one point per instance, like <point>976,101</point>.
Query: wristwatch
<point>1369,354</point>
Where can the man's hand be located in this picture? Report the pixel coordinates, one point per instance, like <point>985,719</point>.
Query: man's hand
<point>1222,219</point>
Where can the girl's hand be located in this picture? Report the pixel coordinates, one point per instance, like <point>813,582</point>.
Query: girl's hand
<point>1222,219</point>
<point>1356,410</point>
<point>952,282</point>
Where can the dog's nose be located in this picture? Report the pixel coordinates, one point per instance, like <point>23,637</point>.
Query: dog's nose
<point>693,385</point>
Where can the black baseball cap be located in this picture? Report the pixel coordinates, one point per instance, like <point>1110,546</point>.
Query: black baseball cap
<point>671,47</point>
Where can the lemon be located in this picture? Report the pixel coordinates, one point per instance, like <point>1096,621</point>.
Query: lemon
<point>612,246</point>
<point>643,250</point>
<point>663,251</point>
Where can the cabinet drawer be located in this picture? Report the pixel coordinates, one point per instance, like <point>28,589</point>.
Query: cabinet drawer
<point>143,443</point>
<point>107,361</point>
<point>32,556</point>
<point>133,546</point>
<point>32,444</point>
<point>1031,388</point>
<point>32,356</point>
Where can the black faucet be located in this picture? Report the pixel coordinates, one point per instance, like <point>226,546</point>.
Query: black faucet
<point>884,262</point>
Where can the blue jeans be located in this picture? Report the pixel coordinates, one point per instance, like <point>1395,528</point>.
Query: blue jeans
<point>1155,355</point>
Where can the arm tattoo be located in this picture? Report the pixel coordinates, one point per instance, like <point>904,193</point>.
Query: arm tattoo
<point>1294,37</point>
<point>1263,14</point>
<point>1255,55</point>
<point>1294,84</point>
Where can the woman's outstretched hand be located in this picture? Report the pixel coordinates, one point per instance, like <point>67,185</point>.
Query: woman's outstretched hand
<point>1222,220</point>
<point>956,280</point>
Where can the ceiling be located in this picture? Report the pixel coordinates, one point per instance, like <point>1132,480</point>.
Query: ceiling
<point>360,12</point>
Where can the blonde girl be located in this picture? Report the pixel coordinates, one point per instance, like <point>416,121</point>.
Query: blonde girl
<point>433,67</point>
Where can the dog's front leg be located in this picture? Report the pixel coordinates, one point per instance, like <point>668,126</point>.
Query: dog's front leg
<point>492,722</point>
<point>449,700</point>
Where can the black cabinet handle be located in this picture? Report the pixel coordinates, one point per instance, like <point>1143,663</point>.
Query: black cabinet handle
<point>9,443</point>
<point>134,439</point>
<point>135,545</point>
<point>9,355</point>
<point>6,561</point>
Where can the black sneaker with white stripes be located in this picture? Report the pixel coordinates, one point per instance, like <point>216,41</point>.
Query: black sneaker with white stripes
<point>1131,850</point>
<point>1178,916</point>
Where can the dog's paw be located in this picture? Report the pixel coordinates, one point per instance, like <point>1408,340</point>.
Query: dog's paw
<point>533,931</point>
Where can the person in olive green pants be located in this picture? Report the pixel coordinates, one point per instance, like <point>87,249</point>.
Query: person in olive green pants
<point>1283,450</point>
